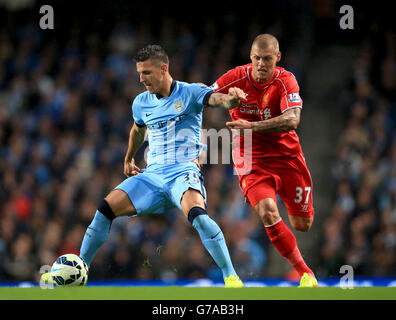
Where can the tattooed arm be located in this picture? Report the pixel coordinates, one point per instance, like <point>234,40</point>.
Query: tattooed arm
<point>287,121</point>
<point>227,101</point>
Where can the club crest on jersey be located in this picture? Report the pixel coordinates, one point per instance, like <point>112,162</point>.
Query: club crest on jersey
<point>178,106</point>
<point>294,97</point>
<point>265,99</point>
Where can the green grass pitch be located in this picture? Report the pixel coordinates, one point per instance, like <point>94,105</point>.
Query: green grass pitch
<point>198,293</point>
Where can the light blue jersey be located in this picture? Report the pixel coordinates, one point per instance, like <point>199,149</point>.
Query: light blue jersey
<point>174,132</point>
<point>173,123</point>
<point>174,135</point>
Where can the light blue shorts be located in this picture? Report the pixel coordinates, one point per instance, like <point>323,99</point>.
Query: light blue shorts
<point>160,188</point>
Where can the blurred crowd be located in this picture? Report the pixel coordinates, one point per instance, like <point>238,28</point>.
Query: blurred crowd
<point>361,228</point>
<point>65,116</point>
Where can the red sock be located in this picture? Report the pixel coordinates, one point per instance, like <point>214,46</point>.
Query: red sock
<point>285,242</point>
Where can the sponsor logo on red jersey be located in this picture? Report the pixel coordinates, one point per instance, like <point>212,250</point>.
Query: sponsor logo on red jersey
<point>264,101</point>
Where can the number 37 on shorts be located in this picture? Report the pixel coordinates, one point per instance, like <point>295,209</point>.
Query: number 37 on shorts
<point>303,197</point>
<point>302,194</point>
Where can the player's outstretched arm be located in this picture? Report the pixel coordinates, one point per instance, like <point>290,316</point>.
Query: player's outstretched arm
<point>287,121</point>
<point>136,139</point>
<point>228,101</point>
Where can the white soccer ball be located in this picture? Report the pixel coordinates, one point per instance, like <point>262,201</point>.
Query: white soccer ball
<point>69,270</point>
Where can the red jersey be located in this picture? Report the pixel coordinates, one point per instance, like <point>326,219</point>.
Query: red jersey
<point>264,101</point>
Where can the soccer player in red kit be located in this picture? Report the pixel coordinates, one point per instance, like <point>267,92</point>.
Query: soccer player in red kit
<point>272,111</point>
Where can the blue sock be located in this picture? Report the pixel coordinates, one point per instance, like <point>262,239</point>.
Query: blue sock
<point>213,239</point>
<point>96,234</point>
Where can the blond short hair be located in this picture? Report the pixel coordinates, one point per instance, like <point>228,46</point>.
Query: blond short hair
<point>265,40</point>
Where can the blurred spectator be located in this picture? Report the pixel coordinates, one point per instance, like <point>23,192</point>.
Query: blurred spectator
<point>361,229</point>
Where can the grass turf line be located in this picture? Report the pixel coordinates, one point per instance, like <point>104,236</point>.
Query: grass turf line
<point>198,293</point>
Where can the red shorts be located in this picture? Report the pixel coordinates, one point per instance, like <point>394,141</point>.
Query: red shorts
<point>288,177</point>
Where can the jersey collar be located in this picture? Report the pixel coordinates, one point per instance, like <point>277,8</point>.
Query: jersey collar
<point>173,85</point>
<point>261,85</point>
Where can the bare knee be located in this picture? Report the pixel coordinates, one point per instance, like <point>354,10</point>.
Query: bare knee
<point>120,203</point>
<point>191,198</point>
<point>268,211</point>
<point>302,224</point>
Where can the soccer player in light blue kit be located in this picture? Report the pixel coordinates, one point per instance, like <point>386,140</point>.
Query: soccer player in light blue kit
<point>171,113</point>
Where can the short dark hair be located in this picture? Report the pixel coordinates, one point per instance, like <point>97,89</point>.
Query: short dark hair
<point>152,51</point>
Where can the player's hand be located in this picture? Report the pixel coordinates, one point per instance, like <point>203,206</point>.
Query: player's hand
<point>130,169</point>
<point>239,124</point>
<point>236,95</point>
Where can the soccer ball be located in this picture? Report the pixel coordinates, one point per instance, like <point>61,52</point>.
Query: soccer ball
<point>69,270</point>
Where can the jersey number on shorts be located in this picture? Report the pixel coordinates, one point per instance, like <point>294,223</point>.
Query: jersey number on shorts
<point>191,178</point>
<point>299,194</point>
